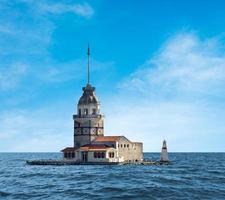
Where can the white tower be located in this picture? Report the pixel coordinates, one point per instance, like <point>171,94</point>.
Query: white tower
<point>164,153</point>
<point>88,122</point>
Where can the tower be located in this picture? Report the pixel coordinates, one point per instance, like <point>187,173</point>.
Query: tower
<point>88,122</point>
<point>164,153</point>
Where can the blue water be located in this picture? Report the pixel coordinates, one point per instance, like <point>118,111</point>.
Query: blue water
<point>190,176</point>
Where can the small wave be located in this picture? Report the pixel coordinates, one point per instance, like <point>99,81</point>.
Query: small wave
<point>4,194</point>
<point>219,172</point>
<point>111,189</point>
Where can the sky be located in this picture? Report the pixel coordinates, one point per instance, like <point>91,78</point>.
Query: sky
<point>158,68</point>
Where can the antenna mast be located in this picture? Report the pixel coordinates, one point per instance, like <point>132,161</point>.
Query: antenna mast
<point>88,53</point>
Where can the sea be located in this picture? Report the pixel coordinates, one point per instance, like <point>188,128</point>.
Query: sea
<point>189,176</point>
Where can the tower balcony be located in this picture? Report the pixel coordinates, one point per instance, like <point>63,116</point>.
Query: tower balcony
<point>88,116</point>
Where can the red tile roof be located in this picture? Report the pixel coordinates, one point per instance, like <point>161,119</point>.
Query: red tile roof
<point>107,138</point>
<point>89,147</point>
<point>69,149</point>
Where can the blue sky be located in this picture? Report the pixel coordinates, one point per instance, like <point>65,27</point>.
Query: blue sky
<point>158,66</point>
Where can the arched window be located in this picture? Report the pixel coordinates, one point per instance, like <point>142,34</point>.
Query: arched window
<point>103,154</point>
<point>93,111</point>
<point>95,155</point>
<point>86,111</point>
<point>99,155</point>
<point>111,154</point>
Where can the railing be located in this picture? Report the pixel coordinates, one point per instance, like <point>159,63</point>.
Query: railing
<point>88,116</point>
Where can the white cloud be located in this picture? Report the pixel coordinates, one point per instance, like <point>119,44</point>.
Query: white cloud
<point>184,64</point>
<point>26,39</point>
<point>23,35</point>
<point>177,95</point>
<point>35,130</point>
<point>20,36</point>
<point>76,69</point>
<point>11,76</point>
<point>84,10</point>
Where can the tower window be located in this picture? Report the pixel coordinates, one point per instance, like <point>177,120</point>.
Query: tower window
<point>93,111</point>
<point>86,111</point>
<point>79,112</point>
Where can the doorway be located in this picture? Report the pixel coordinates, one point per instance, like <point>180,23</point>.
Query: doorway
<point>84,156</point>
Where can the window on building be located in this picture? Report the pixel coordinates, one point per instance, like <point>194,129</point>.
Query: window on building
<point>73,155</point>
<point>95,155</point>
<point>65,155</point>
<point>113,145</point>
<point>124,145</point>
<point>68,155</point>
<point>103,154</point>
<point>99,155</point>
<point>86,111</point>
<point>111,154</point>
<point>93,111</point>
<point>127,145</point>
<point>79,112</point>
<point>121,145</point>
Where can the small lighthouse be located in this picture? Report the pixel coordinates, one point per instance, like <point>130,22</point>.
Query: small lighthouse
<point>164,153</point>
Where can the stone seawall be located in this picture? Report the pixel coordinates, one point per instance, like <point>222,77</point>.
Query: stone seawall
<point>71,162</point>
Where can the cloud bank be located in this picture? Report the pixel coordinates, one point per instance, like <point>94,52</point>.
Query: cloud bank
<point>185,64</point>
<point>177,95</point>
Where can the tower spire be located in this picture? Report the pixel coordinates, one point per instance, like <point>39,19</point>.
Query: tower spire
<point>88,54</point>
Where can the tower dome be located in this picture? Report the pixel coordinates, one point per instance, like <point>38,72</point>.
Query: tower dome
<point>88,96</point>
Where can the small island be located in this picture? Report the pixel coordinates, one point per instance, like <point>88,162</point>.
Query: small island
<point>91,146</point>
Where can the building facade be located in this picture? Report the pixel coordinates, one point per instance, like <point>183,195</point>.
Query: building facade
<point>90,144</point>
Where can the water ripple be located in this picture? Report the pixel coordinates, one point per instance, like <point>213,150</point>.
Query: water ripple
<point>189,177</point>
